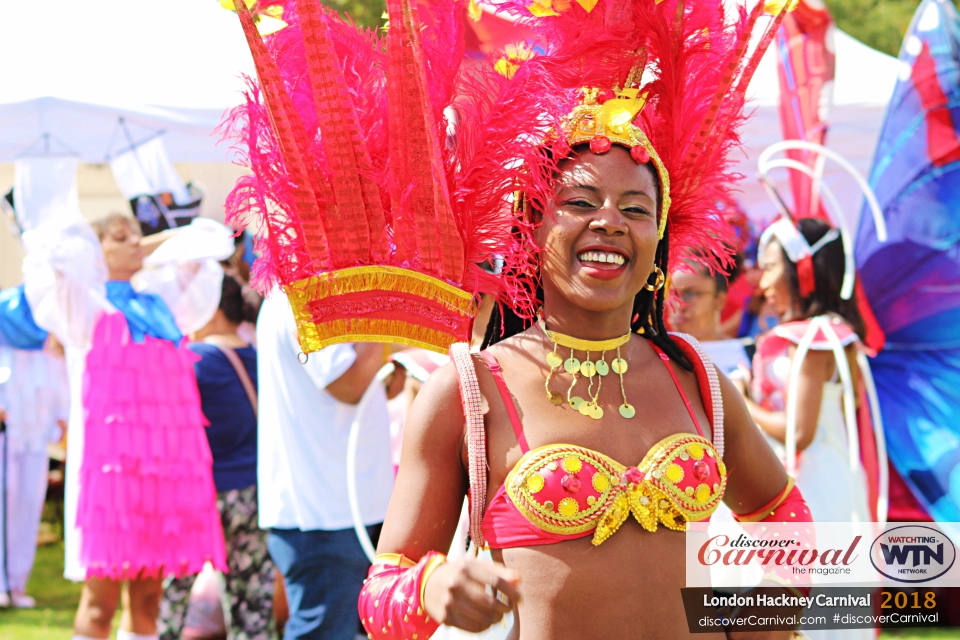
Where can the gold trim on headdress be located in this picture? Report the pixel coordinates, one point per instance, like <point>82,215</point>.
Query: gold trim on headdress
<point>367,304</point>
<point>610,118</point>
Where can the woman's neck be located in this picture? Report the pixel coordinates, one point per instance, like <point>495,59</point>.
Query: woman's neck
<point>586,324</point>
<point>220,330</point>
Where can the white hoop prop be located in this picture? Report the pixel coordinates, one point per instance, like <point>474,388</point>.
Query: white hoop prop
<point>352,443</point>
<point>849,267</point>
<point>883,494</point>
<point>766,164</point>
<point>789,145</point>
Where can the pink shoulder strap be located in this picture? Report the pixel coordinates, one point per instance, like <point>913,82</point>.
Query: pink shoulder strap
<point>507,400</point>
<point>709,382</point>
<point>476,436</point>
<point>676,381</point>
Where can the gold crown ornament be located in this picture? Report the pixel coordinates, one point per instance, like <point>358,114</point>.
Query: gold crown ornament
<point>604,118</point>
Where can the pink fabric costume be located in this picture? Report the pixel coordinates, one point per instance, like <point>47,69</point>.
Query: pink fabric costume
<point>140,499</point>
<point>148,501</point>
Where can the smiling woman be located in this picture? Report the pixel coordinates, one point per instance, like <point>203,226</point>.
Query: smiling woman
<point>574,176</point>
<point>553,474</point>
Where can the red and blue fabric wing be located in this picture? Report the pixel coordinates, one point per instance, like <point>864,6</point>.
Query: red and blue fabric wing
<point>913,280</point>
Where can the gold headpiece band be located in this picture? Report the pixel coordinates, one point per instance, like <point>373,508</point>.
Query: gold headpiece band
<point>605,118</point>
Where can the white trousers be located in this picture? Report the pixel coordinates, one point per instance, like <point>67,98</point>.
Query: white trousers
<point>26,488</point>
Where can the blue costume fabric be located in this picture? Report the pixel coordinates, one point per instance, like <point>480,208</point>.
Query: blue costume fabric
<point>912,279</point>
<point>147,314</point>
<point>17,327</point>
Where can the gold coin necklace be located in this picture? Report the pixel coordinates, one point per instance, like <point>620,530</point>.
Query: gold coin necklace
<point>594,370</point>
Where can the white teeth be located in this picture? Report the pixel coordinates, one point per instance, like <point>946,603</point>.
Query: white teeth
<point>602,257</point>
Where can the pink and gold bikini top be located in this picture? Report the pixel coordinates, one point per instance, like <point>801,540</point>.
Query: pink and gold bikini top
<point>561,492</point>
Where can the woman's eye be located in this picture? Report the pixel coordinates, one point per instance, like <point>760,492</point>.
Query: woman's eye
<point>579,202</point>
<point>641,211</point>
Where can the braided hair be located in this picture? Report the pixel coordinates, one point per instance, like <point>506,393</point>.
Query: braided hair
<point>647,317</point>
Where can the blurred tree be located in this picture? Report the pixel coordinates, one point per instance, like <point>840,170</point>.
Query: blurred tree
<point>366,13</point>
<point>880,24</point>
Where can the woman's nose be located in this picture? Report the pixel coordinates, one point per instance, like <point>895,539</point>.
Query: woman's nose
<point>609,220</point>
<point>765,281</point>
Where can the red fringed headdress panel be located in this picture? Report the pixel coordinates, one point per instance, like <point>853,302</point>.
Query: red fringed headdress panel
<point>385,168</point>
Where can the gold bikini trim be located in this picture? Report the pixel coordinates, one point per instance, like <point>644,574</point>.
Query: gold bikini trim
<point>653,499</point>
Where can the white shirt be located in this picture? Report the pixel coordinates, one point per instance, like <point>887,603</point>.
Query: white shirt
<point>34,392</point>
<point>303,432</point>
<point>727,354</point>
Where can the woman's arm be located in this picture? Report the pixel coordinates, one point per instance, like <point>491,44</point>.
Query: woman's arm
<point>64,276</point>
<point>815,370</point>
<point>431,483</point>
<point>756,475</point>
<point>757,484</point>
<point>423,515</point>
<point>183,268</point>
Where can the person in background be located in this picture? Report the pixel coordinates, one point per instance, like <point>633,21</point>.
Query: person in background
<point>696,300</point>
<point>140,497</point>
<point>740,288</point>
<point>227,380</point>
<point>834,491</point>
<point>238,267</point>
<point>33,388</point>
<point>756,315</point>
<point>304,422</point>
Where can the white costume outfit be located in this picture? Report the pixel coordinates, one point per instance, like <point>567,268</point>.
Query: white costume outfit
<point>34,397</point>
<point>834,491</point>
<point>727,355</point>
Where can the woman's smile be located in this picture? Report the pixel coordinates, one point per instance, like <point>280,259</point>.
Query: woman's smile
<point>603,263</point>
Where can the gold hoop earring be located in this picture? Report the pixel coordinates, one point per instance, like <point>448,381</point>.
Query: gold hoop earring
<point>659,283</point>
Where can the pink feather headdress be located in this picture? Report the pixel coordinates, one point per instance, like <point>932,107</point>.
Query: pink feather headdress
<point>385,167</point>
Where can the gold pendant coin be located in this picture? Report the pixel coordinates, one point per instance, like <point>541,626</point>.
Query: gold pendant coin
<point>619,365</point>
<point>596,411</point>
<point>555,397</point>
<point>575,402</point>
<point>584,408</point>
<point>554,360</point>
<point>571,365</point>
<point>588,369</point>
<point>627,410</point>
<point>602,367</point>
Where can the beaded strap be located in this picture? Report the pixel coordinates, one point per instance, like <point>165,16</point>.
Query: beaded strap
<point>476,436</point>
<point>713,382</point>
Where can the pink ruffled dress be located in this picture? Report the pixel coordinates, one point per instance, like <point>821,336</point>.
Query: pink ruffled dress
<point>139,494</point>
<point>147,502</point>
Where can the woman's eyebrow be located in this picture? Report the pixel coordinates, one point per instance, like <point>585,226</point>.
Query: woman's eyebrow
<point>637,193</point>
<point>582,186</point>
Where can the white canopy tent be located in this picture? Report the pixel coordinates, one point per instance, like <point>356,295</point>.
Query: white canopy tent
<point>72,70</point>
<point>863,85</point>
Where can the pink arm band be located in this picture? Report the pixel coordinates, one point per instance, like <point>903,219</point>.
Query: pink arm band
<point>391,600</point>
<point>788,507</point>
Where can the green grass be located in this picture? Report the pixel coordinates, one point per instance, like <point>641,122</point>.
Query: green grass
<point>57,602</point>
